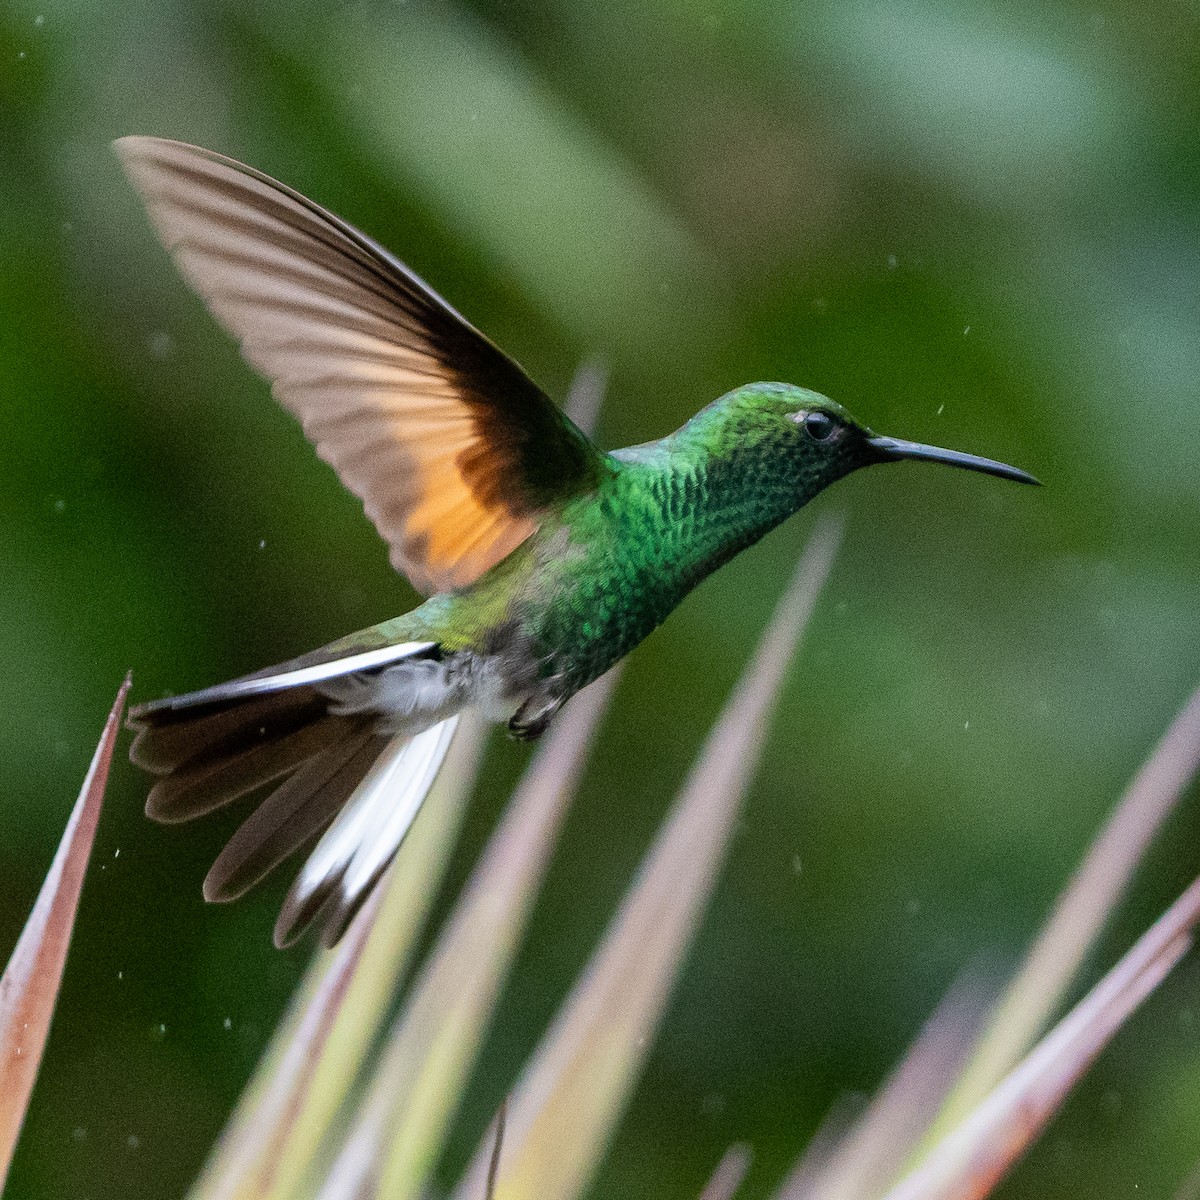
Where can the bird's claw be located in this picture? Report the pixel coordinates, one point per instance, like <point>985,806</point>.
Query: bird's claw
<point>533,718</point>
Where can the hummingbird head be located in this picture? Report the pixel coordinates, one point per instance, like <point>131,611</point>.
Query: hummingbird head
<point>822,442</point>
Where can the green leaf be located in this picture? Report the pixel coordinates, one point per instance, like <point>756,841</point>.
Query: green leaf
<point>420,1074</point>
<point>29,986</point>
<point>565,1107</point>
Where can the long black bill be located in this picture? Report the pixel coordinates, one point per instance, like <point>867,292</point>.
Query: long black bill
<point>897,448</point>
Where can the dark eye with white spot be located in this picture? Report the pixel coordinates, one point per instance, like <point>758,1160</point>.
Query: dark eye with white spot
<point>819,426</point>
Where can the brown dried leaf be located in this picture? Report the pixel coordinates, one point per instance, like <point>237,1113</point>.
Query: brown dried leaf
<point>29,986</point>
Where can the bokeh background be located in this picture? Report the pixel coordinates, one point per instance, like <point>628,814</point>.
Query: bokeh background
<point>977,225</point>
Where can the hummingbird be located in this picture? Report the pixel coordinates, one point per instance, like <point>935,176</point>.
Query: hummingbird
<point>545,559</point>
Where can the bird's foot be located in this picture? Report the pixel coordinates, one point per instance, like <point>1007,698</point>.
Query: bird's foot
<point>533,718</point>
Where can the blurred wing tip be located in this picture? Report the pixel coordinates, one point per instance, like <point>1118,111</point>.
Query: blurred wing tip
<point>137,153</point>
<point>139,146</point>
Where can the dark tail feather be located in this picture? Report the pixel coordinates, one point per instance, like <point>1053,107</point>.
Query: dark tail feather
<point>213,754</point>
<point>275,730</point>
<point>216,753</point>
<point>295,812</point>
<point>198,788</point>
<point>169,739</point>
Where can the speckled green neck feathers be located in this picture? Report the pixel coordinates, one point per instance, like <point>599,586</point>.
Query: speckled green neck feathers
<point>737,469</point>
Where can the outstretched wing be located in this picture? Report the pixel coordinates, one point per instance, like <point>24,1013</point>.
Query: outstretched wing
<point>454,451</point>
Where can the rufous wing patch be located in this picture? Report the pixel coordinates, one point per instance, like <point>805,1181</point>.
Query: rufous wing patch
<point>454,451</point>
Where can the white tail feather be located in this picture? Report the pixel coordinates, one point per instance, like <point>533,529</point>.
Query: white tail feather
<point>424,759</point>
<point>364,837</point>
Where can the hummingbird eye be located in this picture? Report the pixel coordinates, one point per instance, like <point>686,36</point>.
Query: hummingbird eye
<point>819,426</point>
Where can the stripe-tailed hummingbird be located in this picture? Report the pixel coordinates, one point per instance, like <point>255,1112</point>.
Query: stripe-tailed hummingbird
<point>546,559</point>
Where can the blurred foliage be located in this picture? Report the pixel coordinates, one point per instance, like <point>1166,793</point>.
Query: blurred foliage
<point>975,225</point>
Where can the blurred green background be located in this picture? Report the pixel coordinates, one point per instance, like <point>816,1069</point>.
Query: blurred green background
<point>977,225</point>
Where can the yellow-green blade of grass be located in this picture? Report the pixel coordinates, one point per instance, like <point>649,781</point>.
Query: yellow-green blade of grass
<point>294,1099</point>
<point>974,1156</point>
<point>420,1074</point>
<point>563,1111</point>
<point>1079,916</point>
<point>29,986</point>
<point>870,1152</point>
